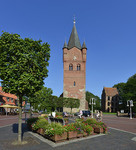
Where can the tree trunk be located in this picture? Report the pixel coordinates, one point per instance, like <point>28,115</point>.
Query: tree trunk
<point>20,120</point>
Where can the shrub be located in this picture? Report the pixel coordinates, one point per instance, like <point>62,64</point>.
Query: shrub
<point>79,127</point>
<point>59,117</point>
<point>30,121</point>
<point>91,121</point>
<point>59,114</point>
<point>40,123</point>
<point>88,129</point>
<point>55,128</point>
<point>103,125</point>
<point>71,127</point>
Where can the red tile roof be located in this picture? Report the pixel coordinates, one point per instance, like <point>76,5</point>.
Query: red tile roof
<point>2,93</point>
<point>111,91</point>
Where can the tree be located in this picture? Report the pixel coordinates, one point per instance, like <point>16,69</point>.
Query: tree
<point>71,103</point>
<point>41,99</point>
<point>89,95</point>
<point>127,91</point>
<point>23,67</point>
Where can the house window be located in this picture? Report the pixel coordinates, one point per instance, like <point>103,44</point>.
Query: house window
<point>78,67</point>
<point>7,99</point>
<point>108,103</point>
<point>74,83</point>
<point>70,67</point>
<point>108,97</point>
<point>11,100</point>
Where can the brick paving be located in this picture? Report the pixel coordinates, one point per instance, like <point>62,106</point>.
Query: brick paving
<point>122,123</point>
<point>114,140</point>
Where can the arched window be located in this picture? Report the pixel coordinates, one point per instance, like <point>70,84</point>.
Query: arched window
<point>74,83</point>
<point>70,67</point>
<point>78,67</point>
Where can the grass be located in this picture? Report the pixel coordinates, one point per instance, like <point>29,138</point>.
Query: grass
<point>109,113</point>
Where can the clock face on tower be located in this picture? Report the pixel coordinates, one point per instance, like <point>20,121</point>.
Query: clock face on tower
<point>74,58</point>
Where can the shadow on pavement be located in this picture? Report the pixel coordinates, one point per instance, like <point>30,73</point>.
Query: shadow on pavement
<point>15,128</point>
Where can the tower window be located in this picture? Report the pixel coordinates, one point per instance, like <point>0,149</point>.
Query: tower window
<point>78,67</point>
<point>74,83</point>
<point>70,67</point>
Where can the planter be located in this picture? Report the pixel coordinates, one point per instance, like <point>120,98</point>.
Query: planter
<point>57,138</point>
<point>79,135</point>
<point>40,131</point>
<point>85,134</point>
<point>98,130</point>
<point>72,134</point>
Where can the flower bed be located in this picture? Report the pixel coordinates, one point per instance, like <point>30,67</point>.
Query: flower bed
<point>58,132</point>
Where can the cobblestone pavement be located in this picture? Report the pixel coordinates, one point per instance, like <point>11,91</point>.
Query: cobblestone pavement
<point>122,123</point>
<point>114,140</point>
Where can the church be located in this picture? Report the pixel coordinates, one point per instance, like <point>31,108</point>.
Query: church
<point>74,70</point>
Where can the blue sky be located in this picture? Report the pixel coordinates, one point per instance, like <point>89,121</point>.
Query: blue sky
<point>107,26</point>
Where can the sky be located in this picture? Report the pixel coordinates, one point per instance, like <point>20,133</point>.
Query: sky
<point>108,28</point>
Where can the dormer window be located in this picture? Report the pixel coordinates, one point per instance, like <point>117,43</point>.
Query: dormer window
<point>78,67</point>
<point>70,67</point>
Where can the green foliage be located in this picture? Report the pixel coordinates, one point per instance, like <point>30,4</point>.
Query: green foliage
<point>41,99</point>
<point>88,129</point>
<point>23,64</point>
<point>71,103</point>
<point>55,128</point>
<point>59,117</point>
<point>30,121</point>
<point>127,91</point>
<point>91,121</point>
<point>71,127</point>
<point>89,95</point>
<point>40,123</point>
<point>23,67</point>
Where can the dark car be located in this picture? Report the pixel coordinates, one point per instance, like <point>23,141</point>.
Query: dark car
<point>86,113</point>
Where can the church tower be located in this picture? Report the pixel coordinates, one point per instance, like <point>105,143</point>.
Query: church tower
<point>74,67</point>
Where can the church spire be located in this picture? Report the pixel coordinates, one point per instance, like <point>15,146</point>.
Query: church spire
<point>74,39</point>
<point>65,45</point>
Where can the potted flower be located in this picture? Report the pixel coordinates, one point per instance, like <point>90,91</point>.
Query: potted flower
<point>104,126</point>
<point>56,132</point>
<point>30,121</point>
<point>71,130</point>
<point>79,127</point>
<point>87,130</point>
<point>97,128</point>
<point>39,125</point>
<point>90,121</point>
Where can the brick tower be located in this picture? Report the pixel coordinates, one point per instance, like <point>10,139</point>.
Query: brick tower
<point>74,66</point>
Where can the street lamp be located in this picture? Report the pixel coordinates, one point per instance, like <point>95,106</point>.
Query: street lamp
<point>92,102</point>
<point>130,104</point>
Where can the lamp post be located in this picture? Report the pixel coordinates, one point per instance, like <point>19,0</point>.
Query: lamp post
<point>130,104</point>
<point>92,102</point>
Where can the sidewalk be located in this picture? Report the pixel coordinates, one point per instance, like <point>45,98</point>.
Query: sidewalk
<point>114,140</point>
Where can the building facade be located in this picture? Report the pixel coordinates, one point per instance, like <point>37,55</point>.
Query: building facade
<point>109,99</point>
<point>74,70</point>
<point>7,98</point>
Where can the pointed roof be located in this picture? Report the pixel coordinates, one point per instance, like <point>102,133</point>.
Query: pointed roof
<point>65,45</point>
<point>84,45</point>
<point>111,91</point>
<point>74,39</point>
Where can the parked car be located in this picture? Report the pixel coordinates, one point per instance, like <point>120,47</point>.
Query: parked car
<point>86,113</point>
